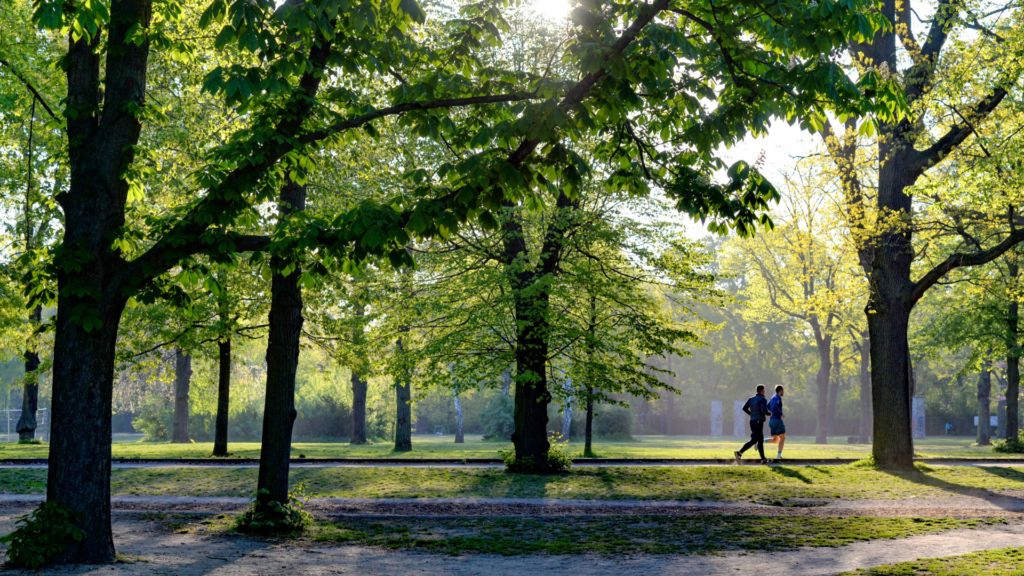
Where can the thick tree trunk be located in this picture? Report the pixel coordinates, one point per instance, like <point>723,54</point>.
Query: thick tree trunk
<point>30,390</point>
<point>890,388</point>
<point>822,380</point>
<point>358,409</point>
<point>1001,418</point>
<point>833,392</point>
<point>285,330</point>
<point>984,404</point>
<point>532,396</point>
<point>403,401</point>
<point>182,384</point>
<point>459,438</point>
<point>589,433</point>
<point>865,390</point>
<point>220,435</point>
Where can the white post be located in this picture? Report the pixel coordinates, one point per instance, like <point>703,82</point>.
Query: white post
<point>917,418</point>
<point>716,418</point>
<point>738,419</point>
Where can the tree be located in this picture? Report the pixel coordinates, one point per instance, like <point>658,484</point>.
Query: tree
<point>952,114</point>
<point>267,64</point>
<point>800,271</point>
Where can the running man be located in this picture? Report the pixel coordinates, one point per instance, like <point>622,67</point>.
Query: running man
<point>775,423</point>
<point>757,407</point>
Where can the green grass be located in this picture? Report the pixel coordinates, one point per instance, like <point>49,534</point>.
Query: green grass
<point>444,447</point>
<point>1005,562</point>
<point>510,536</point>
<point>726,483</point>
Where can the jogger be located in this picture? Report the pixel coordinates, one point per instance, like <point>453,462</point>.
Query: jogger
<point>775,423</point>
<point>757,407</point>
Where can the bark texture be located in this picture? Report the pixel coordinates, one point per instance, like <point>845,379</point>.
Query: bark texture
<point>459,438</point>
<point>865,390</point>
<point>182,385</point>
<point>358,409</point>
<point>220,435</point>
<point>833,392</point>
<point>285,329</point>
<point>403,407</point>
<point>30,389</point>
<point>588,448</point>
<point>984,404</point>
<point>822,379</point>
<point>1013,359</point>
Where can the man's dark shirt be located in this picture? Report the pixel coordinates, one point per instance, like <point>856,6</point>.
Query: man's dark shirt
<point>757,407</point>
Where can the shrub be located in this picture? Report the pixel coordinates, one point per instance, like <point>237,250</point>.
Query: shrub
<point>30,441</point>
<point>558,459</point>
<point>275,516</point>
<point>323,417</point>
<point>156,419</point>
<point>42,535</point>
<point>497,419</point>
<point>613,422</point>
<point>1010,445</point>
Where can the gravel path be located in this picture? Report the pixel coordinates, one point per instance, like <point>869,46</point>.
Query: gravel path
<point>980,505</point>
<point>161,552</point>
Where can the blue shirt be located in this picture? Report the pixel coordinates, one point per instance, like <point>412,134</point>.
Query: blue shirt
<point>757,407</point>
<point>775,406</point>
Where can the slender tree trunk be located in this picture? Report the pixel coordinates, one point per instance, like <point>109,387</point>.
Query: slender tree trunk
<point>358,409</point>
<point>1001,418</point>
<point>567,409</point>
<point>285,330</point>
<point>984,404</point>
<point>182,384</point>
<point>459,438</point>
<point>865,390</point>
<point>220,435</point>
<point>403,400</point>
<point>822,380</point>
<point>1013,358</point>
<point>833,392</point>
<point>30,390</point>
<point>588,447</point>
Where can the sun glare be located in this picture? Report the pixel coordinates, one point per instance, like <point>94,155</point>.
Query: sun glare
<point>553,9</point>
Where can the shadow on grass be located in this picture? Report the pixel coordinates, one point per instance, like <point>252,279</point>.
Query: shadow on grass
<point>791,473</point>
<point>1003,501</point>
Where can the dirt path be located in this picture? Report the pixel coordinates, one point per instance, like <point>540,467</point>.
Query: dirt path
<point>981,505</point>
<point>162,552</point>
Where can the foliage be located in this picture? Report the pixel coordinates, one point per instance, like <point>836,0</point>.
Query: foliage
<point>557,458</point>
<point>42,534</point>
<point>496,419</point>
<point>1010,445</point>
<point>34,441</point>
<point>271,517</point>
<point>614,422</point>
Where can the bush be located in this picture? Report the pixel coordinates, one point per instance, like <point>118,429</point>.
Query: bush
<point>30,441</point>
<point>156,419</point>
<point>613,422</point>
<point>275,516</point>
<point>42,535</point>
<point>1010,445</point>
<point>497,419</point>
<point>323,417</point>
<point>558,459</point>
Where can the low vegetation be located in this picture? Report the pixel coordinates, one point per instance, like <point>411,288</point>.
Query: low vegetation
<point>1005,562</point>
<point>511,536</point>
<point>726,483</point>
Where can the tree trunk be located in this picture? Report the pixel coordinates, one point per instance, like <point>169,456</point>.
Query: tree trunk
<point>506,381</point>
<point>865,390</point>
<point>984,404</point>
<point>182,384</point>
<point>588,449</point>
<point>1001,418</point>
<point>358,409</point>
<point>893,445</point>
<point>220,435</point>
<point>1013,358</point>
<point>403,400</point>
<point>567,409</point>
<point>833,392</point>
<point>822,380</point>
<point>30,390</point>
<point>78,475</point>
<point>459,439</point>
<point>284,332</point>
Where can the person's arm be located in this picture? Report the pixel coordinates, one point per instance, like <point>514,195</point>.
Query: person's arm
<point>746,407</point>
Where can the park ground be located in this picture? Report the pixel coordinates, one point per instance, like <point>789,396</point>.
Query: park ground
<point>628,520</point>
<point>429,446</point>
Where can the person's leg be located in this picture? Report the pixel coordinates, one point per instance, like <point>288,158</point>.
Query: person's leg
<point>751,442</point>
<point>782,443</point>
<point>760,438</point>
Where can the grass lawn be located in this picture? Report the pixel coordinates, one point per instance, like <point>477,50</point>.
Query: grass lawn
<point>640,534</point>
<point>129,446</point>
<point>1005,562</point>
<point>726,483</point>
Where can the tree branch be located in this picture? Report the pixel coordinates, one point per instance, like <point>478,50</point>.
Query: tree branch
<point>30,87</point>
<point>959,260</point>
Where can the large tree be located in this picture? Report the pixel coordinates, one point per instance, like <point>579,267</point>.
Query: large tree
<point>955,76</point>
